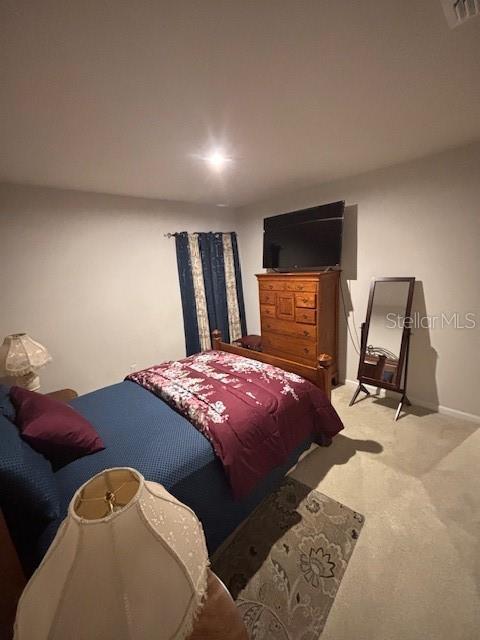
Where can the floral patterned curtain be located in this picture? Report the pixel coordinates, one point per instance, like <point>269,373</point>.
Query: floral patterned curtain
<point>211,288</point>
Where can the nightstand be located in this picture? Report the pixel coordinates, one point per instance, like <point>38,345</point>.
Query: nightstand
<point>63,395</point>
<point>12,581</point>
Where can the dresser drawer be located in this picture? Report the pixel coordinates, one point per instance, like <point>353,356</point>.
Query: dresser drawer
<point>268,297</point>
<point>293,347</point>
<point>285,306</point>
<point>272,285</point>
<point>308,300</point>
<point>308,316</point>
<point>267,311</point>
<point>302,286</point>
<point>289,356</point>
<point>287,328</point>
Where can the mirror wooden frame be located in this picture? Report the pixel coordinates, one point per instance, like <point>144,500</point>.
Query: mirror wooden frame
<point>399,382</point>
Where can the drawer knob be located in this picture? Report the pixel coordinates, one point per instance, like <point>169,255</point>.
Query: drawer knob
<point>305,333</point>
<point>306,350</point>
<point>270,286</point>
<point>305,300</point>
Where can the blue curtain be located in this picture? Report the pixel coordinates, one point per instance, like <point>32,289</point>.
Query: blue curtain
<point>213,266</point>
<point>212,279</point>
<point>238,279</point>
<point>190,324</point>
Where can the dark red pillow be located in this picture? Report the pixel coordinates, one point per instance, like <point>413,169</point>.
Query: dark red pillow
<point>53,428</point>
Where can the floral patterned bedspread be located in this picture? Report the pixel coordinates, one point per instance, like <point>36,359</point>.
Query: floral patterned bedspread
<point>253,414</point>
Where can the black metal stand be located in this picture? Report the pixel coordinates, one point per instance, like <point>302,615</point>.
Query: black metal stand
<point>403,400</point>
<point>403,389</point>
<point>361,387</point>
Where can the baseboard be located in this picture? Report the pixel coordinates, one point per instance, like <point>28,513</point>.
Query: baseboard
<point>448,411</point>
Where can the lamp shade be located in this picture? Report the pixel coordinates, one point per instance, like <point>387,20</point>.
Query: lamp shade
<point>128,563</point>
<point>20,355</point>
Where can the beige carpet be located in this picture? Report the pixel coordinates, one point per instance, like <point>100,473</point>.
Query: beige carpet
<point>415,572</point>
<point>285,564</point>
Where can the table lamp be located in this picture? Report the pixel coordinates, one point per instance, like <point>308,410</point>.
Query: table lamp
<point>129,562</point>
<point>20,357</point>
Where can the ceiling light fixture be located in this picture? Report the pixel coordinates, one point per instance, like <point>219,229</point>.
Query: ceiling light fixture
<point>217,160</point>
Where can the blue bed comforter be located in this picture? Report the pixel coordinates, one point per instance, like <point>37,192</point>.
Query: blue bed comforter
<point>141,431</point>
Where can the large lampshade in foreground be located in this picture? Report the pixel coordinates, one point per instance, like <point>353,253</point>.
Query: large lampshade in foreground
<point>20,357</point>
<point>128,563</point>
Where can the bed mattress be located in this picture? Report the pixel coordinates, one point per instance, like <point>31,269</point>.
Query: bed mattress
<point>141,431</point>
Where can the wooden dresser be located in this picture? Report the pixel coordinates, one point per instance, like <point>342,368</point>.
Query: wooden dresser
<point>299,315</point>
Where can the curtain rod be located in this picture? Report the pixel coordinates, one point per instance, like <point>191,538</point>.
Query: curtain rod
<point>195,233</point>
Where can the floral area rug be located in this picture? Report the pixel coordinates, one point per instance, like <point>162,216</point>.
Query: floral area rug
<point>284,565</point>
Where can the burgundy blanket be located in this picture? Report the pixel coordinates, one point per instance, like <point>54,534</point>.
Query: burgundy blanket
<point>253,414</point>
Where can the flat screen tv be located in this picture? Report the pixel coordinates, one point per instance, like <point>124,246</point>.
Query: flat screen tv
<point>305,239</point>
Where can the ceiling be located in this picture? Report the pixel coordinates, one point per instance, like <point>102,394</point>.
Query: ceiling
<point>121,96</point>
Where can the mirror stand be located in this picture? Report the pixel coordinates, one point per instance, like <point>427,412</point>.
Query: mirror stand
<point>385,339</point>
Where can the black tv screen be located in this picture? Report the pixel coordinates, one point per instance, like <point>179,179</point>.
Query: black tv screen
<point>304,239</point>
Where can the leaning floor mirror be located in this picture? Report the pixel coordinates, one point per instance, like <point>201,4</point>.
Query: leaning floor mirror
<point>385,338</point>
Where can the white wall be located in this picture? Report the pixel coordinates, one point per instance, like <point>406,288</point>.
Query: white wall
<point>417,219</point>
<point>93,278</point>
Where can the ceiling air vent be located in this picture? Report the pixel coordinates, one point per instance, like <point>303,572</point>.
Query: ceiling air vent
<point>459,11</point>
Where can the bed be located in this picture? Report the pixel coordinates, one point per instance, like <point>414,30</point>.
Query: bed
<point>140,430</point>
